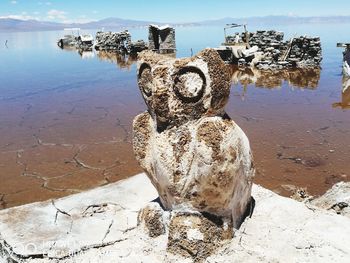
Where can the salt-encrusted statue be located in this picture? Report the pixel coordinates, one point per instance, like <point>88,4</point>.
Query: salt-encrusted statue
<point>195,155</point>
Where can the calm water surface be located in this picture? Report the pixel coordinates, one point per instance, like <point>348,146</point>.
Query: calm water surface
<point>65,117</point>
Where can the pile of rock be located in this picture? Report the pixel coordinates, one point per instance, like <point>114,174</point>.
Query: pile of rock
<point>301,52</point>
<point>266,39</point>
<point>273,52</point>
<point>138,46</point>
<point>305,52</point>
<point>113,41</point>
<point>269,42</point>
<point>119,42</point>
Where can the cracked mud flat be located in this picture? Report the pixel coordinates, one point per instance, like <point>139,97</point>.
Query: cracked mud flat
<point>58,143</point>
<point>64,138</point>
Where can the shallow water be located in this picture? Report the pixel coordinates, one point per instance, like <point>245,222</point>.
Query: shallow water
<point>65,117</point>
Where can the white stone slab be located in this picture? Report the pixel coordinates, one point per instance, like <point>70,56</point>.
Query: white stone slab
<point>91,219</point>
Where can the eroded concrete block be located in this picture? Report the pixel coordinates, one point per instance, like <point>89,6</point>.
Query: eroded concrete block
<point>161,39</point>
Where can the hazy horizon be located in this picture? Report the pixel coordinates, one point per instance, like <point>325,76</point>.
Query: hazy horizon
<point>180,11</point>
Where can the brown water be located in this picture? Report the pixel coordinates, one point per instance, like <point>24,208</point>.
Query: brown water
<point>65,122</point>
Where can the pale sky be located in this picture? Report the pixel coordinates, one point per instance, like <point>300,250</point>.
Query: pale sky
<point>166,10</point>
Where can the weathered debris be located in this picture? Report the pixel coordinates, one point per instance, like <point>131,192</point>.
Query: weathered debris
<point>345,103</point>
<point>336,199</point>
<point>137,46</point>
<point>119,42</point>
<point>235,40</point>
<point>85,42</point>
<point>67,41</point>
<point>76,40</point>
<point>267,50</point>
<point>198,159</point>
<point>346,59</point>
<point>113,41</point>
<point>161,39</point>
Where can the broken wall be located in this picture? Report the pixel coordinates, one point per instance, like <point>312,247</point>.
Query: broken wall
<point>301,52</point>
<point>161,39</point>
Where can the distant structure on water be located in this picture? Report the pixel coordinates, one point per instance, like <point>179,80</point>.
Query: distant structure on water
<point>161,39</point>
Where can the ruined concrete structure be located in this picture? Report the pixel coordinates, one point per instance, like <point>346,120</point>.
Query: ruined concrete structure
<point>198,159</point>
<point>85,42</point>
<point>119,42</point>
<point>273,52</point>
<point>346,60</point>
<point>345,102</point>
<point>161,39</point>
<point>80,42</point>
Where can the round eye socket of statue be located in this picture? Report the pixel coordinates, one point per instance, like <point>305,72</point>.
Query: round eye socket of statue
<point>189,84</point>
<point>145,79</point>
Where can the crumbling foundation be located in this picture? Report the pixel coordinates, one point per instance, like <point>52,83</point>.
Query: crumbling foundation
<point>161,39</point>
<point>269,51</point>
<point>118,42</point>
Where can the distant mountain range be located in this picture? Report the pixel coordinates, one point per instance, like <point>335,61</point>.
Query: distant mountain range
<point>279,20</point>
<point>9,24</point>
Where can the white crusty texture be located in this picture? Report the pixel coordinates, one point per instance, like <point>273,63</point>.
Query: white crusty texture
<point>195,155</point>
<point>280,230</point>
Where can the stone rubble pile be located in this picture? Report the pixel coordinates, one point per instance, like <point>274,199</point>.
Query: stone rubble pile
<point>305,52</point>
<point>137,46</point>
<point>273,52</point>
<point>118,41</point>
<point>301,52</point>
<point>269,42</point>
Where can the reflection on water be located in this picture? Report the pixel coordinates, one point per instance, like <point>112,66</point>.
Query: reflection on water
<point>345,95</point>
<point>122,60</point>
<point>65,122</point>
<point>86,54</point>
<point>271,79</point>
